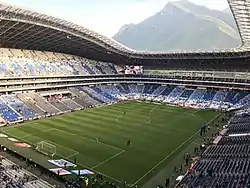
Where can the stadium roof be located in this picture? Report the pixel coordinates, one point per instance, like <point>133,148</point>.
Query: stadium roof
<point>26,29</point>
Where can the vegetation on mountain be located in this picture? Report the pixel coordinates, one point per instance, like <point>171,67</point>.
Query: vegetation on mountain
<point>181,26</point>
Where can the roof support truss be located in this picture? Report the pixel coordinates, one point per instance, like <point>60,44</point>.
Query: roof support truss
<point>47,28</point>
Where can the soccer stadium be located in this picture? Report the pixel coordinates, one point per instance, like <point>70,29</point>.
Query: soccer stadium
<point>78,109</point>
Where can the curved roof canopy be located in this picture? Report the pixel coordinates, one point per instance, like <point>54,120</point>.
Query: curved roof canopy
<point>25,29</point>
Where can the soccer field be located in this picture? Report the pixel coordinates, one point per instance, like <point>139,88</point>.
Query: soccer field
<point>98,137</point>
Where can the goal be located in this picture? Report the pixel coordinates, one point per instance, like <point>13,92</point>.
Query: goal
<point>46,148</point>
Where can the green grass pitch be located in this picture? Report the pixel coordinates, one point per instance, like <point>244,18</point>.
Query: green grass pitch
<point>98,137</point>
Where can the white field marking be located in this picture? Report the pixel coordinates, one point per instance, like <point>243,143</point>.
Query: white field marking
<point>19,138</point>
<point>85,138</point>
<point>95,171</point>
<point>196,111</point>
<point>149,121</point>
<point>108,159</point>
<point>11,127</point>
<point>74,154</point>
<point>151,111</point>
<point>6,132</point>
<point>169,155</point>
<point>119,181</point>
<point>9,134</point>
<point>36,134</point>
<point>196,143</point>
<point>157,103</point>
<point>72,150</point>
<point>96,139</point>
<point>22,139</point>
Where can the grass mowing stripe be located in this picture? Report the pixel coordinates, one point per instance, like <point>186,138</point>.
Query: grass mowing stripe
<point>111,178</point>
<point>17,132</point>
<point>154,130</point>
<point>61,146</point>
<point>169,155</point>
<point>153,108</point>
<point>90,125</point>
<point>76,163</point>
<point>108,159</point>
<point>109,123</point>
<point>49,141</point>
<point>82,130</point>
<point>36,133</point>
<point>89,139</point>
<point>73,155</point>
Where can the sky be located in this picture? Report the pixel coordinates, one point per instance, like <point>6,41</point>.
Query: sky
<point>104,16</point>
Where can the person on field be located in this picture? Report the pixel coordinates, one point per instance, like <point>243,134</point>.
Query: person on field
<point>74,160</point>
<point>167,182</point>
<point>128,143</point>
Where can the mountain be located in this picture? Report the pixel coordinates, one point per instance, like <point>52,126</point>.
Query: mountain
<point>182,25</point>
<point>227,10</point>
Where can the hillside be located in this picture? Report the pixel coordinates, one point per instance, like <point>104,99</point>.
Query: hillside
<point>182,25</point>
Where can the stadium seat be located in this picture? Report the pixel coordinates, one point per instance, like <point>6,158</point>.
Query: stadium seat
<point>225,164</point>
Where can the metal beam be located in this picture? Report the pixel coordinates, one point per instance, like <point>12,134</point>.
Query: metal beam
<point>52,41</point>
<point>240,9</point>
<point>26,35</point>
<point>33,35</point>
<point>70,43</point>
<point>17,31</point>
<point>43,39</point>
<point>7,22</point>
<point>23,30</point>
<point>14,24</point>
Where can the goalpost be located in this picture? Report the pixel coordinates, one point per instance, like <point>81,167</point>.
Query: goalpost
<point>46,148</point>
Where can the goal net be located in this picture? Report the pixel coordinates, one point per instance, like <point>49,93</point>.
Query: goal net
<point>46,148</point>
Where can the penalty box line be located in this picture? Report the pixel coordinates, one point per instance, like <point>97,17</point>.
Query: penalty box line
<point>169,155</point>
<point>91,168</point>
<point>114,179</point>
<point>29,142</point>
<point>73,155</point>
<point>28,135</point>
<point>108,159</point>
<point>85,138</point>
<point>59,145</point>
<point>77,163</point>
